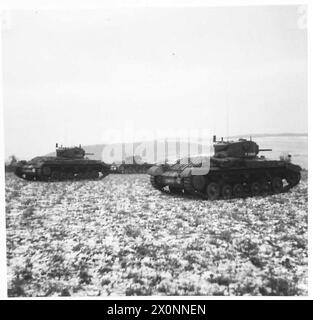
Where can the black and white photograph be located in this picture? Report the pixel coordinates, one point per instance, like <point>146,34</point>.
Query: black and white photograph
<point>156,151</point>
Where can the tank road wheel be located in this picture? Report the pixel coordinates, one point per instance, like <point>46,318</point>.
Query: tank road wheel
<point>87,175</point>
<point>246,188</point>
<point>188,185</point>
<point>293,178</point>
<point>256,189</point>
<point>277,185</point>
<point>69,176</point>
<point>265,187</point>
<point>198,182</point>
<point>238,190</point>
<point>104,173</point>
<point>42,178</point>
<point>94,174</point>
<point>227,191</point>
<point>46,171</point>
<point>62,176</point>
<point>175,190</point>
<point>213,191</point>
<point>18,172</point>
<point>55,176</point>
<point>155,182</point>
<point>44,174</point>
<point>80,176</point>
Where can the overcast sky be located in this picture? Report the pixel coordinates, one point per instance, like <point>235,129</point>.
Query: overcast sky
<point>70,76</point>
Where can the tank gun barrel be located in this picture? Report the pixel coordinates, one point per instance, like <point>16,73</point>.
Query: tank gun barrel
<point>265,150</point>
<point>89,154</point>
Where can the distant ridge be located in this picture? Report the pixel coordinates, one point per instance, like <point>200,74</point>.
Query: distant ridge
<point>262,135</point>
<point>97,149</point>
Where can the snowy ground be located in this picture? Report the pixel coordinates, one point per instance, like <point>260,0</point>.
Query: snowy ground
<point>120,237</point>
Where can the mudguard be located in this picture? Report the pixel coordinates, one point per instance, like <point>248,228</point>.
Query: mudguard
<point>195,172</point>
<point>294,167</point>
<point>155,171</point>
<point>200,171</point>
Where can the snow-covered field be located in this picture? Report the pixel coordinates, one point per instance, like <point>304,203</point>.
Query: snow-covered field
<point>120,237</point>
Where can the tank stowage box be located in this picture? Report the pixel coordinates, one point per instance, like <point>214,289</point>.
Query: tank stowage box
<point>68,164</point>
<point>235,170</point>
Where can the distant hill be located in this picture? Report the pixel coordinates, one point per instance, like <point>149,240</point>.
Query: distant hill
<point>143,150</point>
<point>260,135</point>
<point>278,142</point>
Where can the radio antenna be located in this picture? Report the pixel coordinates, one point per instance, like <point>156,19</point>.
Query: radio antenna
<point>227,111</point>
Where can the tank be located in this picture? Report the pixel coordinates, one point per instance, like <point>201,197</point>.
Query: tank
<point>68,164</point>
<point>235,170</point>
<point>130,168</point>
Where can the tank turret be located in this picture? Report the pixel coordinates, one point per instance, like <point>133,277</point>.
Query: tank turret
<point>237,149</point>
<point>71,153</point>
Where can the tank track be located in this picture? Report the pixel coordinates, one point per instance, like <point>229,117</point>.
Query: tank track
<point>219,188</point>
<point>156,183</point>
<point>190,189</point>
<point>254,188</point>
<point>58,175</point>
